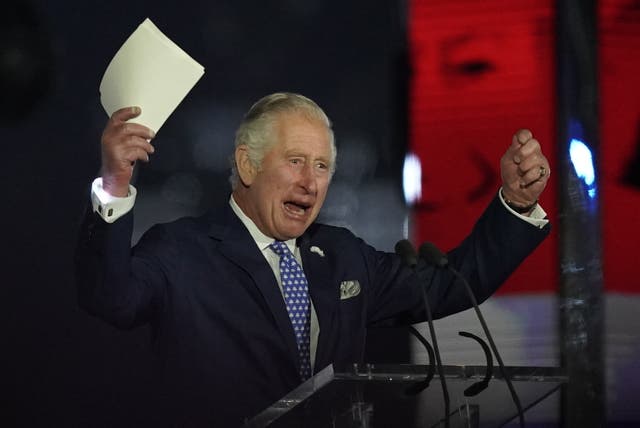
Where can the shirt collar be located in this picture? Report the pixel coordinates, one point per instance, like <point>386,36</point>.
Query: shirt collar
<point>262,241</point>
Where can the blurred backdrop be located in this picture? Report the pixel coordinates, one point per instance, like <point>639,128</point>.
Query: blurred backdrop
<point>441,83</point>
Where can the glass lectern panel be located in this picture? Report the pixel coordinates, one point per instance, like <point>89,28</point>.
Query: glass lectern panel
<point>364,396</point>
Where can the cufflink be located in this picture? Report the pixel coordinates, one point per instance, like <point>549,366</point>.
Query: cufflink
<point>109,212</point>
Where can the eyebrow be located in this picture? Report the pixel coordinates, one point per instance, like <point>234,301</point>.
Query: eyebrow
<point>294,153</point>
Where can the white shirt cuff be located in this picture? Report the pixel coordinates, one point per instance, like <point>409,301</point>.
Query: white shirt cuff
<point>536,217</point>
<point>110,208</point>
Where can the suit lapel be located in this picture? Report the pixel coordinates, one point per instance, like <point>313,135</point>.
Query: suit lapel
<point>236,244</point>
<point>324,294</point>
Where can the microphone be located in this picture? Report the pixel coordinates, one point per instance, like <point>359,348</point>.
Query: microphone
<point>407,253</point>
<point>431,254</point>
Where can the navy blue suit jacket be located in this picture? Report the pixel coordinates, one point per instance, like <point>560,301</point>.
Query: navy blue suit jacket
<point>221,331</point>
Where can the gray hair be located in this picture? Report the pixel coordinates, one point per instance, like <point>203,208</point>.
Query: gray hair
<point>256,129</point>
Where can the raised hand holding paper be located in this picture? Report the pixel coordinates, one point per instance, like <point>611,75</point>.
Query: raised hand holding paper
<point>149,71</point>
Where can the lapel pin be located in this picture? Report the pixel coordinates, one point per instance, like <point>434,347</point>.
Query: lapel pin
<point>317,250</point>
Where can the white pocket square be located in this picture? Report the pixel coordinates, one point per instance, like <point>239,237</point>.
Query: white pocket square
<point>349,289</point>
<point>317,250</point>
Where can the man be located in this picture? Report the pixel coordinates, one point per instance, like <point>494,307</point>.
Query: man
<point>218,290</point>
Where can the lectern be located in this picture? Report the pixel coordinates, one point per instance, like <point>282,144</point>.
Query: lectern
<point>376,396</point>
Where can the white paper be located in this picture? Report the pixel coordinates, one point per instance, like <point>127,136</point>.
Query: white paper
<point>149,71</point>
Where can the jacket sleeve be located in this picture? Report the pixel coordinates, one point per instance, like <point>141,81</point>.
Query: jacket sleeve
<point>122,286</point>
<point>498,243</point>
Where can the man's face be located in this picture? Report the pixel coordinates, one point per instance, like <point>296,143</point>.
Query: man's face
<point>288,190</point>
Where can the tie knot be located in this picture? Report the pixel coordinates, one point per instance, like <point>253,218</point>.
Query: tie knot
<point>280,248</point>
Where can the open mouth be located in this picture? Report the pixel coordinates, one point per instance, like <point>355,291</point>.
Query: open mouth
<point>297,208</point>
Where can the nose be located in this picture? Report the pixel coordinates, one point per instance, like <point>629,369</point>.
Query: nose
<point>308,179</point>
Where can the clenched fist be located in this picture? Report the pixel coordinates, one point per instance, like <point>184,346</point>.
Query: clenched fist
<point>123,143</point>
<point>524,169</point>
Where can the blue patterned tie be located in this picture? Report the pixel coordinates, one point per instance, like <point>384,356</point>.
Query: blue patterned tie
<point>296,297</point>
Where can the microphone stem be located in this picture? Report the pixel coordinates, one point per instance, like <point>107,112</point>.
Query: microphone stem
<point>436,350</point>
<point>514,395</point>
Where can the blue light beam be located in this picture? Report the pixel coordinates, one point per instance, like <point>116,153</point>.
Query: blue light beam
<point>582,161</point>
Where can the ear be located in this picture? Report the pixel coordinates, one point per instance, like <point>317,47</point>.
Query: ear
<point>246,171</point>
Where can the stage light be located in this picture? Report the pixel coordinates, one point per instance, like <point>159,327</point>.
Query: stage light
<point>582,161</point>
<point>412,179</point>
